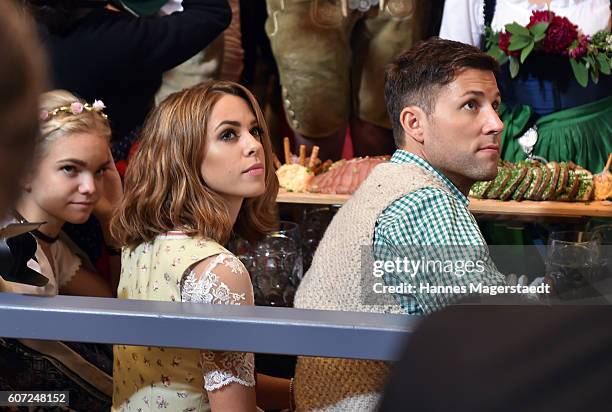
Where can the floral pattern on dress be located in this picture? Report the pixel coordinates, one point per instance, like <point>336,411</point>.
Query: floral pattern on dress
<point>156,378</point>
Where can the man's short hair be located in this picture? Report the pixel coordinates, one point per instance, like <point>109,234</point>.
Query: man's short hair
<point>415,77</point>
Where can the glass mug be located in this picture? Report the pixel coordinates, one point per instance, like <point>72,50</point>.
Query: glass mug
<point>314,223</point>
<point>275,264</point>
<point>572,263</point>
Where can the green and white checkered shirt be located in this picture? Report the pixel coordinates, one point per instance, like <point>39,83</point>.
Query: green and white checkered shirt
<point>429,220</point>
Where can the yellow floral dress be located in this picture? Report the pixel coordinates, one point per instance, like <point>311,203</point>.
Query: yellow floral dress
<point>175,267</point>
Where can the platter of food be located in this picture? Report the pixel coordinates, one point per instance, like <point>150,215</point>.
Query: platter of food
<point>533,180</point>
<point>596,208</point>
<point>303,174</point>
<point>522,189</point>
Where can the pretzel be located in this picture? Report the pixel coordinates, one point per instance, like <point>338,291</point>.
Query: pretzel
<point>323,166</point>
<point>288,155</point>
<point>344,7</point>
<point>277,163</point>
<point>313,157</point>
<point>302,155</point>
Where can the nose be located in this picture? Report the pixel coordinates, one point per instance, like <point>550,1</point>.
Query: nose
<point>493,124</point>
<point>252,146</point>
<point>87,185</point>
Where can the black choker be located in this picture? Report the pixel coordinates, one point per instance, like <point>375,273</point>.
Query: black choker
<point>45,238</point>
<point>37,233</point>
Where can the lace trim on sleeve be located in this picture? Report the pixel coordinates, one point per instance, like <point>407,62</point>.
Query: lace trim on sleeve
<point>224,368</point>
<point>209,288</point>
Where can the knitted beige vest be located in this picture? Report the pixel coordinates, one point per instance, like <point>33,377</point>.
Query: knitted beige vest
<point>334,282</point>
<point>152,378</point>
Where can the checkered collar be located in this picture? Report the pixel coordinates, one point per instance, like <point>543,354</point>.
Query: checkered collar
<point>402,156</point>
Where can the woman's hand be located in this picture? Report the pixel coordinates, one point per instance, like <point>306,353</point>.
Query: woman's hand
<point>112,193</point>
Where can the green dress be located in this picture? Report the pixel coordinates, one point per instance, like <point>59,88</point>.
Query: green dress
<point>582,134</point>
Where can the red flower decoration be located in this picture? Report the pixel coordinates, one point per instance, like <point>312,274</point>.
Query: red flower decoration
<point>559,36</point>
<point>580,47</point>
<point>504,43</point>
<point>539,17</point>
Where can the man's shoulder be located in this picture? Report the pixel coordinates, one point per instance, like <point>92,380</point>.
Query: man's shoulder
<point>420,202</point>
<point>419,212</point>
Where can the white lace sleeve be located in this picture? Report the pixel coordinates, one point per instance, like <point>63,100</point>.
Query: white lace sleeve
<point>222,279</point>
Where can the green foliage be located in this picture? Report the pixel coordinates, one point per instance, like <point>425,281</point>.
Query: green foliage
<point>604,63</point>
<point>516,28</point>
<point>526,51</point>
<point>514,67</point>
<point>581,72</point>
<point>538,31</point>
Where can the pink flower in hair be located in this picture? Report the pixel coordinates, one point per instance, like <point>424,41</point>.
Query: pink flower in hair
<point>76,108</point>
<point>43,115</point>
<point>98,105</point>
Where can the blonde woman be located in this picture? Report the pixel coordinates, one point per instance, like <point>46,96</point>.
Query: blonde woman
<point>72,176</point>
<point>203,170</point>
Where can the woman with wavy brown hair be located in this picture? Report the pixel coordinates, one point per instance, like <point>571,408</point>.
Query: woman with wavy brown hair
<point>202,172</point>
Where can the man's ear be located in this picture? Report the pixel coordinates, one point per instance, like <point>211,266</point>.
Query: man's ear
<point>413,121</point>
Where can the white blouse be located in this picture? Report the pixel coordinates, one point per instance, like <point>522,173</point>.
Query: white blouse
<point>60,269</point>
<point>463,20</point>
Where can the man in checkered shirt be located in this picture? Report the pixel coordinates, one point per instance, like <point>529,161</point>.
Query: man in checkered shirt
<point>442,99</point>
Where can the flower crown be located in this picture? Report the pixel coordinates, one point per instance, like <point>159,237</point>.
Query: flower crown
<point>75,109</point>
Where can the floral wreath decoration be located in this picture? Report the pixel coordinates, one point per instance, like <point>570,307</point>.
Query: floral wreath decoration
<point>552,34</point>
<point>75,108</point>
